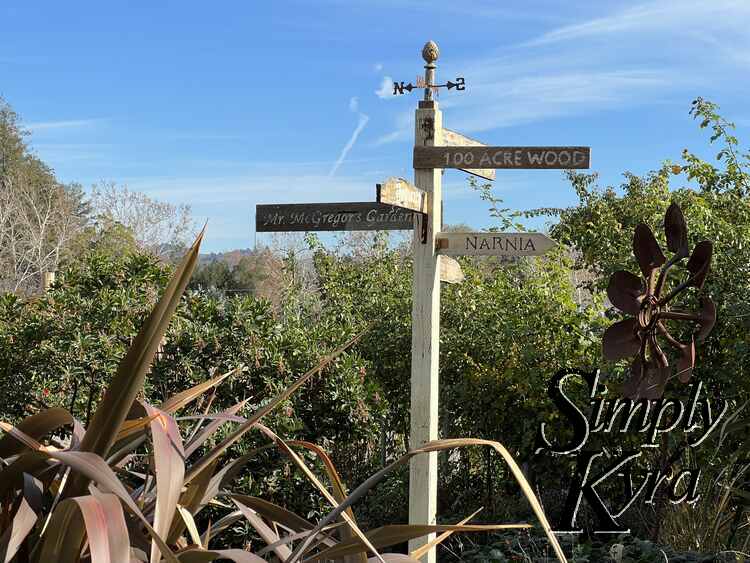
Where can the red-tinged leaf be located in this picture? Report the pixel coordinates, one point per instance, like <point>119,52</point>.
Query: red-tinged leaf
<point>675,229</point>
<point>620,340</point>
<point>32,463</point>
<point>35,426</point>
<point>339,493</point>
<point>646,249</point>
<point>295,536</point>
<point>211,428</point>
<point>387,536</point>
<point>220,525</point>
<point>217,451</point>
<point>626,291</point>
<point>23,520</point>
<point>700,263</point>
<point>395,558</point>
<point>193,555</point>
<point>22,523</point>
<point>178,401</point>
<point>108,537</point>
<point>170,471</point>
<point>435,446</point>
<point>299,462</point>
<point>94,468</point>
<point>226,474</point>
<point>131,373</point>
<point>191,499</point>
<point>134,426</point>
<point>274,512</point>
<point>318,485</point>
<point>264,531</point>
<point>432,544</point>
<point>77,436</point>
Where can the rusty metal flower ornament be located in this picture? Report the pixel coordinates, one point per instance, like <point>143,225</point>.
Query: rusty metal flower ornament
<point>646,299</point>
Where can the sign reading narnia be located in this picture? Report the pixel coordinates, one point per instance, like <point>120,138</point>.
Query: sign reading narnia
<point>644,414</point>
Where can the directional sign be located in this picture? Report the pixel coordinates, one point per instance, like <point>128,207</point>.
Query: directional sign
<point>454,139</point>
<point>332,217</point>
<point>450,270</point>
<point>493,244</point>
<point>502,157</point>
<point>399,192</point>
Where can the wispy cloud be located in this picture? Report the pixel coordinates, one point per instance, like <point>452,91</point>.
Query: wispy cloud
<point>504,103</point>
<point>377,67</point>
<point>675,15</point>
<point>65,124</point>
<point>386,88</point>
<point>643,54</point>
<point>216,192</point>
<point>361,123</point>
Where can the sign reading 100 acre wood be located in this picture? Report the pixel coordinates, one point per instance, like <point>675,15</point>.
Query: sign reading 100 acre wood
<point>502,157</point>
<point>353,216</point>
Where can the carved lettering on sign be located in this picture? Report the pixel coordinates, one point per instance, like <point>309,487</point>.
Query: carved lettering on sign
<point>354,216</point>
<point>502,157</point>
<point>493,244</point>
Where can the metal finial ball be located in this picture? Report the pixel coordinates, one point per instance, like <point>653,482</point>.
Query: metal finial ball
<point>430,52</point>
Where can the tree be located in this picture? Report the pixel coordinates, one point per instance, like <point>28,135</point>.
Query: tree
<point>162,228</point>
<point>39,216</point>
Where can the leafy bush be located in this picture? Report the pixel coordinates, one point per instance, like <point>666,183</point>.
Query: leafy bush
<point>92,494</point>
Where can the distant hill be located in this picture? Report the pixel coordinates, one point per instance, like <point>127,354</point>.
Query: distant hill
<point>231,257</point>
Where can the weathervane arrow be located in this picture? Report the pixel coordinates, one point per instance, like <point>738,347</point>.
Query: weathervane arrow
<point>430,54</point>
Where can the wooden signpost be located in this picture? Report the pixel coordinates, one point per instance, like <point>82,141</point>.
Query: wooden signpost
<point>399,192</point>
<point>401,205</point>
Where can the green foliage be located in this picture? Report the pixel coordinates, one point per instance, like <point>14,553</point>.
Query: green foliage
<point>533,549</point>
<point>599,229</point>
<point>235,273</point>
<point>100,502</point>
<point>505,330</point>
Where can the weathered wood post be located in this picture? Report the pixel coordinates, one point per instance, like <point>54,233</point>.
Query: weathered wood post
<point>48,278</point>
<point>425,332</point>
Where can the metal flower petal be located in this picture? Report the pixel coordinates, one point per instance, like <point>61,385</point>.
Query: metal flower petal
<point>699,263</point>
<point>647,250</point>
<point>656,352</point>
<point>707,318</point>
<point>625,291</point>
<point>676,230</point>
<point>687,362</point>
<point>620,340</point>
<point>642,336</point>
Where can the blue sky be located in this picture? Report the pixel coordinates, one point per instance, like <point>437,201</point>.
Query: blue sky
<point>223,105</point>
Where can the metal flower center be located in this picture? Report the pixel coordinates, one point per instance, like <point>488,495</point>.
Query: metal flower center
<point>647,316</point>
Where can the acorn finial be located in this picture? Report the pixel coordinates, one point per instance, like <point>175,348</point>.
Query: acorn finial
<point>430,52</point>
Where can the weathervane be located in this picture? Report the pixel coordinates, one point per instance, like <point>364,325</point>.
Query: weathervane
<point>430,54</point>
